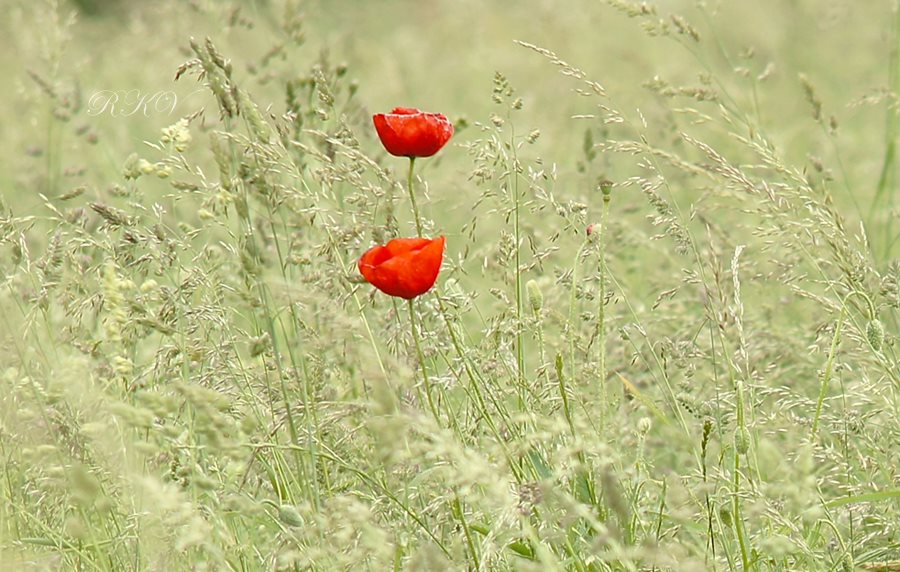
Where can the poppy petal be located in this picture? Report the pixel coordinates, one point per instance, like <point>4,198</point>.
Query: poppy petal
<point>408,132</point>
<point>404,267</point>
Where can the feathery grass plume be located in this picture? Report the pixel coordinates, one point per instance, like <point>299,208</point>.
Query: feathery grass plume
<point>116,319</point>
<point>666,216</point>
<point>811,96</point>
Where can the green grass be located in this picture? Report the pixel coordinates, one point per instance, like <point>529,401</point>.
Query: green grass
<point>195,377</point>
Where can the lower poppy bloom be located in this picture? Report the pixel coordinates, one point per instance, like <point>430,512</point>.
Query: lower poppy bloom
<point>404,267</point>
<point>407,132</point>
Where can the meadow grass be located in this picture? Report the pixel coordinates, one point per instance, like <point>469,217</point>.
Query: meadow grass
<point>663,337</point>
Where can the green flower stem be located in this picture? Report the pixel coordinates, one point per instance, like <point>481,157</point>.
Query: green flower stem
<point>601,312</point>
<point>412,314</point>
<point>884,189</point>
<point>520,338</point>
<point>542,354</point>
<point>829,367</point>
<point>421,357</point>
<point>738,519</point>
<point>412,196</point>
<point>570,334</point>
<point>456,507</point>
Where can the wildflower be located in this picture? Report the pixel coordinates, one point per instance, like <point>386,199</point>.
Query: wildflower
<point>404,267</point>
<point>407,132</point>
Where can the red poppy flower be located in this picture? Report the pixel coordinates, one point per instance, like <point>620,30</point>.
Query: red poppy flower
<point>404,267</point>
<point>406,132</point>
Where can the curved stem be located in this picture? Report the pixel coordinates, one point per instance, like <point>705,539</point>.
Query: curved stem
<point>873,313</point>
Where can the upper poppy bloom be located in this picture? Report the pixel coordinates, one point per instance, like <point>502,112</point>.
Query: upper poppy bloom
<point>406,132</point>
<point>404,267</point>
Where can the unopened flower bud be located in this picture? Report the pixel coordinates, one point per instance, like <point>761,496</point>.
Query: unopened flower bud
<point>742,441</point>
<point>875,334</point>
<point>289,515</point>
<point>606,188</point>
<point>535,297</point>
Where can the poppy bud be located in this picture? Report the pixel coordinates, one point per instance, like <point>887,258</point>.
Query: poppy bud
<point>289,515</point>
<point>404,267</point>
<point>535,297</point>
<point>606,188</point>
<point>875,334</point>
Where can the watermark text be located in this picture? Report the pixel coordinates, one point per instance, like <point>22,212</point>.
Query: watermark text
<point>128,102</point>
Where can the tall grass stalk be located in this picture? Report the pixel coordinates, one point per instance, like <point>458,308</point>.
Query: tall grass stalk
<point>885,188</point>
<point>601,309</point>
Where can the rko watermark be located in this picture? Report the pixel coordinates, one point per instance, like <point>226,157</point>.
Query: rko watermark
<point>128,102</point>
